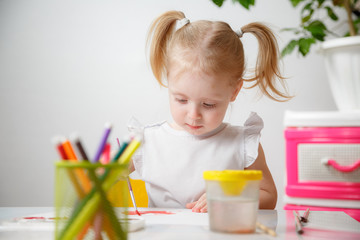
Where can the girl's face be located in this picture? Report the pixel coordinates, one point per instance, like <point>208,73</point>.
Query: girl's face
<point>198,102</point>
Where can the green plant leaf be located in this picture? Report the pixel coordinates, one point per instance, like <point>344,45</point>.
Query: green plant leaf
<point>309,11</point>
<point>307,7</point>
<point>295,30</point>
<point>219,3</point>
<point>245,3</point>
<point>289,48</point>
<point>308,17</point>
<point>295,2</point>
<point>305,44</point>
<point>317,30</point>
<point>331,14</point>
<point>320,2</point>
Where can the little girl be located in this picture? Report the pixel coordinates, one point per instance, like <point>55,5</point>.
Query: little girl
<point>202,65</point>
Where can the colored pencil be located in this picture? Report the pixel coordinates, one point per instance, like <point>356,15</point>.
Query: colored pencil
<point>84,180</point>
<point>98,221</point>
<point>58,143</point>
<point>110,211</point>
<point>130,150</point>
<point>105,159</point>
<point>103,142</point>
<point>88,205</point>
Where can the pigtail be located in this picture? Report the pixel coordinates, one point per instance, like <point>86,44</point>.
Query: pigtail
<point>159,36</point>
<point>267,64</point>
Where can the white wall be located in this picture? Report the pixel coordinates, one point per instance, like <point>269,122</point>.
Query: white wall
<point>70,66</point>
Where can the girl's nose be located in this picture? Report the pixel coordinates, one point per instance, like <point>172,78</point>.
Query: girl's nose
<point>194,113</point>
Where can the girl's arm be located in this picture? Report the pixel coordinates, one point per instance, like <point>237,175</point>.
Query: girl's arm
<point>268,193</point>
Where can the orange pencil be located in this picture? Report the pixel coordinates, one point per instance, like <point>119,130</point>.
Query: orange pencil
<point>81,176</point>
<point>84,180</point>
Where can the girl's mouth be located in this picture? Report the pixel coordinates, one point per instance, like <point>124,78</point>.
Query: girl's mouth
<point>193,127</point>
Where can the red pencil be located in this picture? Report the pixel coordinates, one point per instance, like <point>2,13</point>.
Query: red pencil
<point>60,148</point>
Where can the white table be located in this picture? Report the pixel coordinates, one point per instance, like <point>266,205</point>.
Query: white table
<point>184,224</point>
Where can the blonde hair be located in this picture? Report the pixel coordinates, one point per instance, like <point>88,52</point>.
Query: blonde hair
<point>213,48</point>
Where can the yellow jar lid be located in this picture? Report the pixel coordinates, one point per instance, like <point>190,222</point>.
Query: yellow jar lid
<point>233,182</point>
<point>232,175</point>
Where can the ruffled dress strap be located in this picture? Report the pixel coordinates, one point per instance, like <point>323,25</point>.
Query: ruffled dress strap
<point>252,128</point>
<point>136,128</point>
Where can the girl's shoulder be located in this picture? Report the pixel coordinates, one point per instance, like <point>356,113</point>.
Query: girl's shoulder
<point>135,125</point>
<point>155,125</point>
<point>253,123</point>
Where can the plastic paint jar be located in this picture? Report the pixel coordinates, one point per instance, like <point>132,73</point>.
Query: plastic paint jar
<point>233,199</point>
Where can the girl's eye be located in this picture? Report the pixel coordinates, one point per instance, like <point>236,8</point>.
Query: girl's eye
<point>209,105</point>
<point>181,100</point>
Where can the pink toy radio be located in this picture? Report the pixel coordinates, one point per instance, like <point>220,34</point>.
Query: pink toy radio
<point>323,161</point>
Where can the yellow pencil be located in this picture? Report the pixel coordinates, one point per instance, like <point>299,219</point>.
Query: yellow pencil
<point>129,151</point>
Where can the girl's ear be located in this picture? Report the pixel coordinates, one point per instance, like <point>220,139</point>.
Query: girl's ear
<point>237,90</point>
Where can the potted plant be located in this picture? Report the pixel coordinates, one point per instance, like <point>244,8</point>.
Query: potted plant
<point>341,51</point>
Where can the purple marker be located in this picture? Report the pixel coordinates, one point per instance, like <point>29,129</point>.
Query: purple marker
<point>103,141</point>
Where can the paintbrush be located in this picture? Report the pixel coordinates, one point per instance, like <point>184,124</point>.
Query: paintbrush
<point>304,218</point>
<point>130,189</point>
<point>132,196</point>
<point>298,226</point>
<point>266,229</point>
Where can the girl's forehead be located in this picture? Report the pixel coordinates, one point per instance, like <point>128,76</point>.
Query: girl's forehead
<point>199,85</point>
<point>178,75</point>
<point>192,64</point>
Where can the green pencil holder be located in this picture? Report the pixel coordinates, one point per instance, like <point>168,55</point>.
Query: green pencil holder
<point>83,208</point>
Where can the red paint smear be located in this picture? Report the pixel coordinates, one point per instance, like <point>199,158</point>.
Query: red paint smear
<point>148,212</point>
<point>33,218</point>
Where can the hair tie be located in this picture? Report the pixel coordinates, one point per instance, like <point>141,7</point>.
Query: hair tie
<point>239,33</point>
<point>181,23</point>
